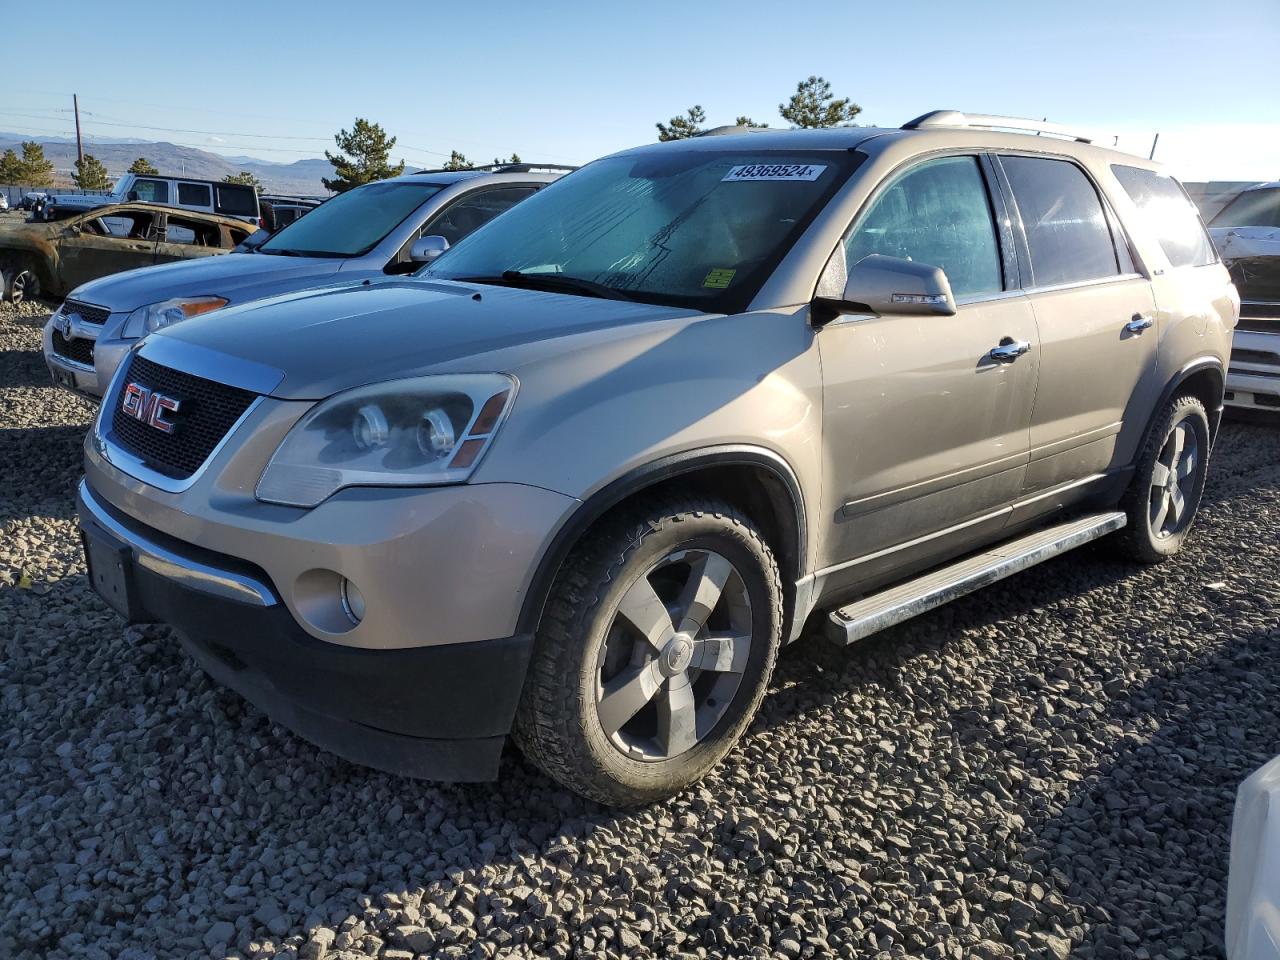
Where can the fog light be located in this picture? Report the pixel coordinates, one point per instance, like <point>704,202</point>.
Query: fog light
<point>352,601</point>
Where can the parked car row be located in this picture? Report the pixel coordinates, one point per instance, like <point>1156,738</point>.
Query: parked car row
<point>625,433</point>
<point>1247,234</point>
<point>376,230</point>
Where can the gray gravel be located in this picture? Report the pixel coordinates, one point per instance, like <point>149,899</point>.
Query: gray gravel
<point>1041,770</point>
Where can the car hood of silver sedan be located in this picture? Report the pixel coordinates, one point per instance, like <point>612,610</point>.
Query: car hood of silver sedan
<point>239,277</point>
<point>316,343</point>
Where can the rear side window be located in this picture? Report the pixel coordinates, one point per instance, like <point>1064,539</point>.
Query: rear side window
<point>1067,231</point>
<point>1253,208</point>
<point>193,194</point>
<point>236,201</point>
<point>1168,214</point>
<point>937,213</point>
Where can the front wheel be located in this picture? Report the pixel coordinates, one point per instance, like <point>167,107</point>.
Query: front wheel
<point>654,652</point>
<point>18,281</point>
<point>1169,481</point>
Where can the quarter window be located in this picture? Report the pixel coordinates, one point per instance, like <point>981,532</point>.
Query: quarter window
<point>1067,230</point>
<point>937,213</point>
<point>1169,215</point>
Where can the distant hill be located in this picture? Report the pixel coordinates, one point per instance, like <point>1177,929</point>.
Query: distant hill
<point>300,177</point>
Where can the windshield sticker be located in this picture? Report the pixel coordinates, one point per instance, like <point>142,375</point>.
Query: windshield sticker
<point>719,278</point>
<point>774,171</point>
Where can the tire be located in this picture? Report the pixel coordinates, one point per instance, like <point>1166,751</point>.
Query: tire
<point>18,281</point>
<point>627,699</point>
<point>1161,502</point>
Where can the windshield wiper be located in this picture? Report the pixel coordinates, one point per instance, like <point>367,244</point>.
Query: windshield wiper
<point>552,283</point>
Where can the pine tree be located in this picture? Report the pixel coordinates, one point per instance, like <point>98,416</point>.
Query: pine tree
<point>245,177</point>
<point>35,170</point>
<point>681,128</point>
<point>91,175</point>
<point>363,156</point>
<point>499,162</point>
<point>143,166</point>
<point>814,105</point>
<point>458,162</point>
<point>10,168</point>
<point>748,122</point>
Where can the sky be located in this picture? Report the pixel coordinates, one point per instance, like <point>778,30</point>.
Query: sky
<point>567,82</point>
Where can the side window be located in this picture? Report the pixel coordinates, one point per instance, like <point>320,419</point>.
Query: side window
<point>152,191</point>
<point>130,225</point>
<point>1067,230</point>
<point>1169,216</point>
<point>194,195</point>
<point>192,232</point>
<point>937,213</point>
<point>474,211</point>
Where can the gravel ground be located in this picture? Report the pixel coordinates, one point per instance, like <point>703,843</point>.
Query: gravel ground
<point>1045,769</point>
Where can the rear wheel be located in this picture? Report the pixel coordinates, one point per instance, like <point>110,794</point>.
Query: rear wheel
<point>654,652</point>
<point>1165,493</point>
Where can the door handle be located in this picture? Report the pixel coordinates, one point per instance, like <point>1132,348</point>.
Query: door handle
<point>1009,350</point>
<point>1139,323</point>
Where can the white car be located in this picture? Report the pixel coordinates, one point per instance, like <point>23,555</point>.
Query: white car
<point>4,202</point>
<point>1253,885</point>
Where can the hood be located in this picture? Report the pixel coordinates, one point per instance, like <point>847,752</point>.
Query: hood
<point>239,277</point>
<point>323,341</point>
<point>1236,243</point>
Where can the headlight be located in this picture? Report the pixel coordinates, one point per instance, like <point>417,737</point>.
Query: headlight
<point>418,432</point>
<point>155,316</point>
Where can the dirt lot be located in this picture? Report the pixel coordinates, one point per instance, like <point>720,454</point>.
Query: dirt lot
<point>1040,770</point>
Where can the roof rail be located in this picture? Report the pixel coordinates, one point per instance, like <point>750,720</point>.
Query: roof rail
<point>730,129</point>
<point>521,167</point>
<point>983,121</point>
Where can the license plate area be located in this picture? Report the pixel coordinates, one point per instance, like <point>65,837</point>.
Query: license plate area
<point>111,575</point>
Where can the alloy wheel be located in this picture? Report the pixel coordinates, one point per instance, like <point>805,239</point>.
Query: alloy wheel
<point>672,659</point>
<point>1173,481</point>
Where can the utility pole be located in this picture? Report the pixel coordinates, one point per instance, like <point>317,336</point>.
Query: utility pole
<point>75,101</point>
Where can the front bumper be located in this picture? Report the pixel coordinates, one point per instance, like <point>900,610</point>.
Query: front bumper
<point>1253,379</point>
<point>87,380</point>
<point>440,712</point>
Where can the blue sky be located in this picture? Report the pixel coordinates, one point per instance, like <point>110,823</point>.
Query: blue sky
<point>571,81</point>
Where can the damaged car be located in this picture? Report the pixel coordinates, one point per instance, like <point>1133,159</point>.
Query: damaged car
<point>1247,234</point>
<point>51,259</point>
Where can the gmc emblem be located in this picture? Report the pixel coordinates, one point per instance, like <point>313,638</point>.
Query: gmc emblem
<point>149,407</point>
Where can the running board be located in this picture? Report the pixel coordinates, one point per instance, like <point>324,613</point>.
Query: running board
<point>896,604</point>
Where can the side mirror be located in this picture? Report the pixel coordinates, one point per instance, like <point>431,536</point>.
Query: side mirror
<point>132,196</point>
<point>890,285</point>
<point>426,249</point>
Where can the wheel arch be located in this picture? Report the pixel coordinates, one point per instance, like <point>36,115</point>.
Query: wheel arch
<point>756,479</point>
<point>1206,380</point>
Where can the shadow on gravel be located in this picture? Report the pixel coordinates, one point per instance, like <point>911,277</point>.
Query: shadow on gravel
<point>1148,834</point>
<point>23,368</point>
<point>49,461</point>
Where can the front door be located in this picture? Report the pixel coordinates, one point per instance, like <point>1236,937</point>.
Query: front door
<point>1095,314</point>
<point>97,246</point>
<point>924,431</point>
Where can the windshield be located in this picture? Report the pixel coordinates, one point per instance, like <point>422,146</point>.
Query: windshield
<point>118,189</point>
<point>694,228</point>
<point>352,223</point>
<point>1253,208</point>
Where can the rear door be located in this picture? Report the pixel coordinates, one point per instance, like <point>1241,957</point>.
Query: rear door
<point>195,196</point>
<point>1095,317</point>
<point>97,246</point>
<point>923,430</point>
<point>188,238</point>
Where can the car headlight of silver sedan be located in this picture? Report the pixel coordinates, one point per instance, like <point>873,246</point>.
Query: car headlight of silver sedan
<point>156,316</point>
<point>422,431</point>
